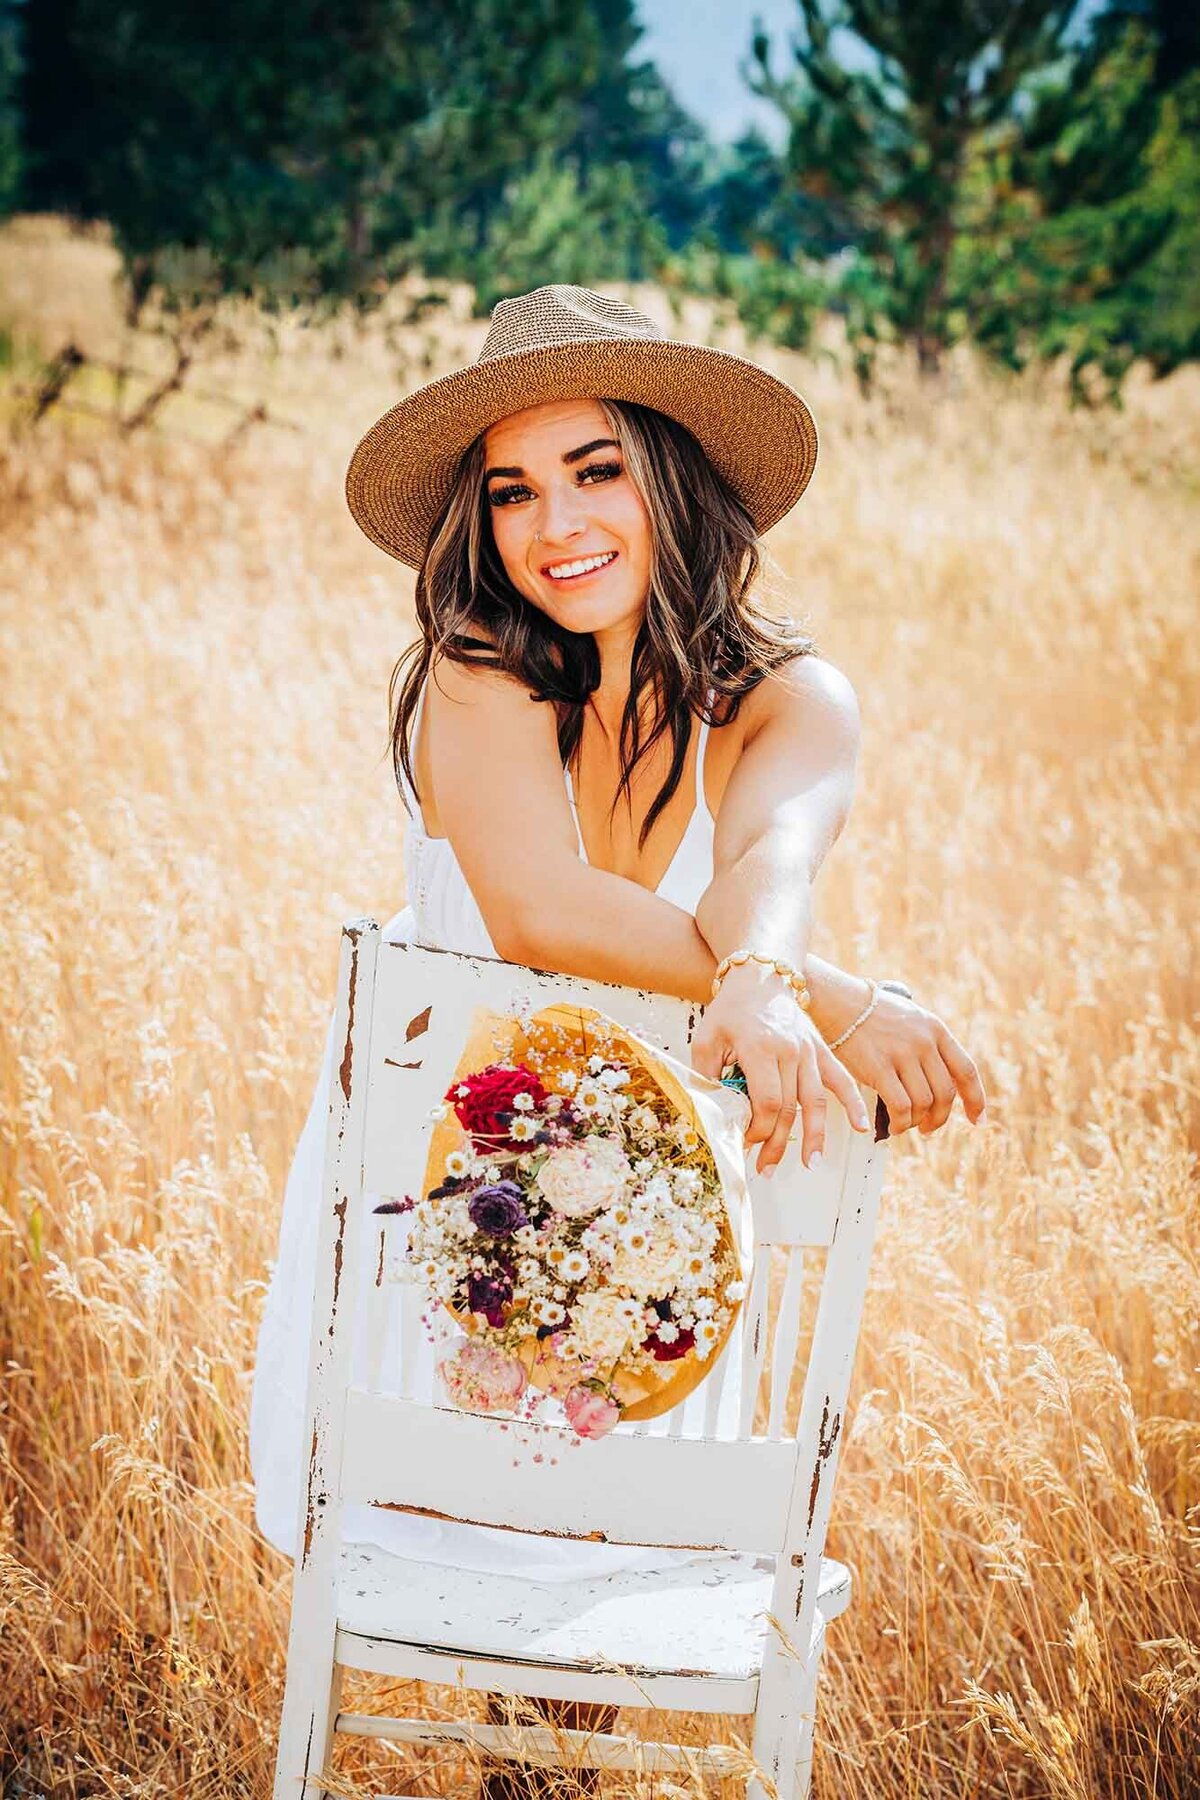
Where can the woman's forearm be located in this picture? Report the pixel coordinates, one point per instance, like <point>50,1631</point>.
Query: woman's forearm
<point>606,928</point>
<point>762,901</point>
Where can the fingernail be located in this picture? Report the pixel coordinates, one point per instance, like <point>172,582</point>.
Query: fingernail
<point>982,1118</point>
<point>862,1123</point>
<point>814,1161</point>
<point>768,1172</point>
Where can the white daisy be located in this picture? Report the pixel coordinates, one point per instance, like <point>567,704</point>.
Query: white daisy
<point>575,1266</point>
<point>457,1163</point>
<point>522,1130</point>
<point>706,1337</point>
<point>523,1102</point>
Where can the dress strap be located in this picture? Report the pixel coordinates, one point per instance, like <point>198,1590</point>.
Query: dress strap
<point>702,745</point>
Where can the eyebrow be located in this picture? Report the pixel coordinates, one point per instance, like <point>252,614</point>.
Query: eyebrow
<point>569,456</point>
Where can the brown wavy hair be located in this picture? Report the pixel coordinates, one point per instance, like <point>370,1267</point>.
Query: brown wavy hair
<point>703,629</point>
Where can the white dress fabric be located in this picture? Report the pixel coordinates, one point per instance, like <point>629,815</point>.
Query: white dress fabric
<point>442,914</point>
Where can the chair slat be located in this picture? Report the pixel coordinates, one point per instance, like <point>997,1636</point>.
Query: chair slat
<point>787,1335</point>
<point>627,1488</point>
<point>753,1339</point>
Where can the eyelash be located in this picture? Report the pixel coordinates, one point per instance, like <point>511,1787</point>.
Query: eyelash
<point>505,496</point>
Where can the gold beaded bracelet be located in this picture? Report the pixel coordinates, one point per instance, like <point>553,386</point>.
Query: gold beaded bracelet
<point>794,980</point>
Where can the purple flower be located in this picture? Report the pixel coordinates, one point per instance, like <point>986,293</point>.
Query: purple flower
<point>489,1295</point>
<point>497,1209</point>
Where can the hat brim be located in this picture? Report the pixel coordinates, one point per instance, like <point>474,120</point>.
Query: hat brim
<point>756,430</point>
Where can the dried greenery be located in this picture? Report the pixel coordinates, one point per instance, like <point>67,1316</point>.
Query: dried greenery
<point>197,791</point>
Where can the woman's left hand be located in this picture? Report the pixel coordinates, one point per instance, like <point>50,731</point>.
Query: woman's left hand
<point>915,1064</point>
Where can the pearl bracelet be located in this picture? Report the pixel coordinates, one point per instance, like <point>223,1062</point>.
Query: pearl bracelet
<point>794,980</point>
<point>866,1012</point>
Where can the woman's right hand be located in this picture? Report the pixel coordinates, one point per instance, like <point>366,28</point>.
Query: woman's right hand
<point>757,1022</point>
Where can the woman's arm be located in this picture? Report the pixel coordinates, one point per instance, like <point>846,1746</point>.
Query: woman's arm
<point>507,818</point>
<point>502,803</point>
<point>508,821</point>
<point>786,802</point>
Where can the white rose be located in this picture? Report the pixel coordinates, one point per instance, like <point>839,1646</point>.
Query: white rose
<point>649,1270</point>
<point>580,1179</point>
<point>603,1324</point>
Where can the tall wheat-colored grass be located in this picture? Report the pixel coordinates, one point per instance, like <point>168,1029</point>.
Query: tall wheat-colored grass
<point>196,645</point>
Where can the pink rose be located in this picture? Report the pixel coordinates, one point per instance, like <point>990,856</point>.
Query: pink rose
<point>481,1378</point>
<point>590,1414</point>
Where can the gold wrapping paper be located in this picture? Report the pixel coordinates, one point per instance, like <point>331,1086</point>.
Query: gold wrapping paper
<point>561,1037</point>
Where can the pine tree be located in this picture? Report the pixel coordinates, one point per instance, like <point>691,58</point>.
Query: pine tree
<point>884,104</point>
<point>1088,235</point>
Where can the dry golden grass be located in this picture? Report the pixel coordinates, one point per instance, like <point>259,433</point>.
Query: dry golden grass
<point>197,792</point>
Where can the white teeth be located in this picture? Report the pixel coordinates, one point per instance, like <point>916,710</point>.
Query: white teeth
<point>561,571</point>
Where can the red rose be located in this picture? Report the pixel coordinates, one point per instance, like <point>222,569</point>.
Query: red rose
<point>486,1109</point>
<point>670,1352</point>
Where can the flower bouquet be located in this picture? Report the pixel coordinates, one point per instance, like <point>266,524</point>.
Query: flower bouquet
<point>584,1218</point>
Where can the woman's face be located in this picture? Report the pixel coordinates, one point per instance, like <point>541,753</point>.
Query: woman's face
<point>571,529</point>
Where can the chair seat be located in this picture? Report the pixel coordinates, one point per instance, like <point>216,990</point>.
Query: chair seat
<point>701,1620</point>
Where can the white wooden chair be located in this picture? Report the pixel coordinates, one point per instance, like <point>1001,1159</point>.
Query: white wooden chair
<point>729,1634</point>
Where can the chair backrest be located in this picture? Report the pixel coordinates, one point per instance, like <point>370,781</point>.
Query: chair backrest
<point>747,1463</point>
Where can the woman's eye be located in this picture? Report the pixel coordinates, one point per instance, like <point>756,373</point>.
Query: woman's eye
<point>507,493</point>
<point>502,496</point>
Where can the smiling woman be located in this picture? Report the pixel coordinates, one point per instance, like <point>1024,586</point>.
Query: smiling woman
<point>583,505</point>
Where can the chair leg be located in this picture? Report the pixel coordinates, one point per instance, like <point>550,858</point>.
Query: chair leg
<point>808,1724</point>
<point>306,1732</point>
<point>517,1781</point>
<point>783,1735</point>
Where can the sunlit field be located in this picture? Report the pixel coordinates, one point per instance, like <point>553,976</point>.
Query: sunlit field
<point>196,643</point>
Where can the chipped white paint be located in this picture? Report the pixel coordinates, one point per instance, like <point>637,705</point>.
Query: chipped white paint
<point>538,1477</point>
<point>699,1477</point>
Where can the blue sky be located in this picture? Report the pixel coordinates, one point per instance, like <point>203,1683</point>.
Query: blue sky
<point>698,45</point>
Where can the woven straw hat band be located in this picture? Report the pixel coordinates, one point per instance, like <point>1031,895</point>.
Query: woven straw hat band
<point>568,343</point>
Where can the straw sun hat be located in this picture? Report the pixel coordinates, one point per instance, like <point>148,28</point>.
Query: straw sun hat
<point>567,343</point>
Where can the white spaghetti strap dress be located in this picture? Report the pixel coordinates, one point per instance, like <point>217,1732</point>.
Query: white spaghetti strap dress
<point>442,914</point>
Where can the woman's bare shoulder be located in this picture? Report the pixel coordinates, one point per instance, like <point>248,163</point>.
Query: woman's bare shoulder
<point>807,687</point>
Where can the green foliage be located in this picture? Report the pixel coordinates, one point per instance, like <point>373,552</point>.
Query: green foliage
<point>1087,238</point>
<point>10,129</point>
<point>950,170</point>
<point>989,171</point>
<point>553,224</point>
<point>879,145</point>
<point>296,153</point>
